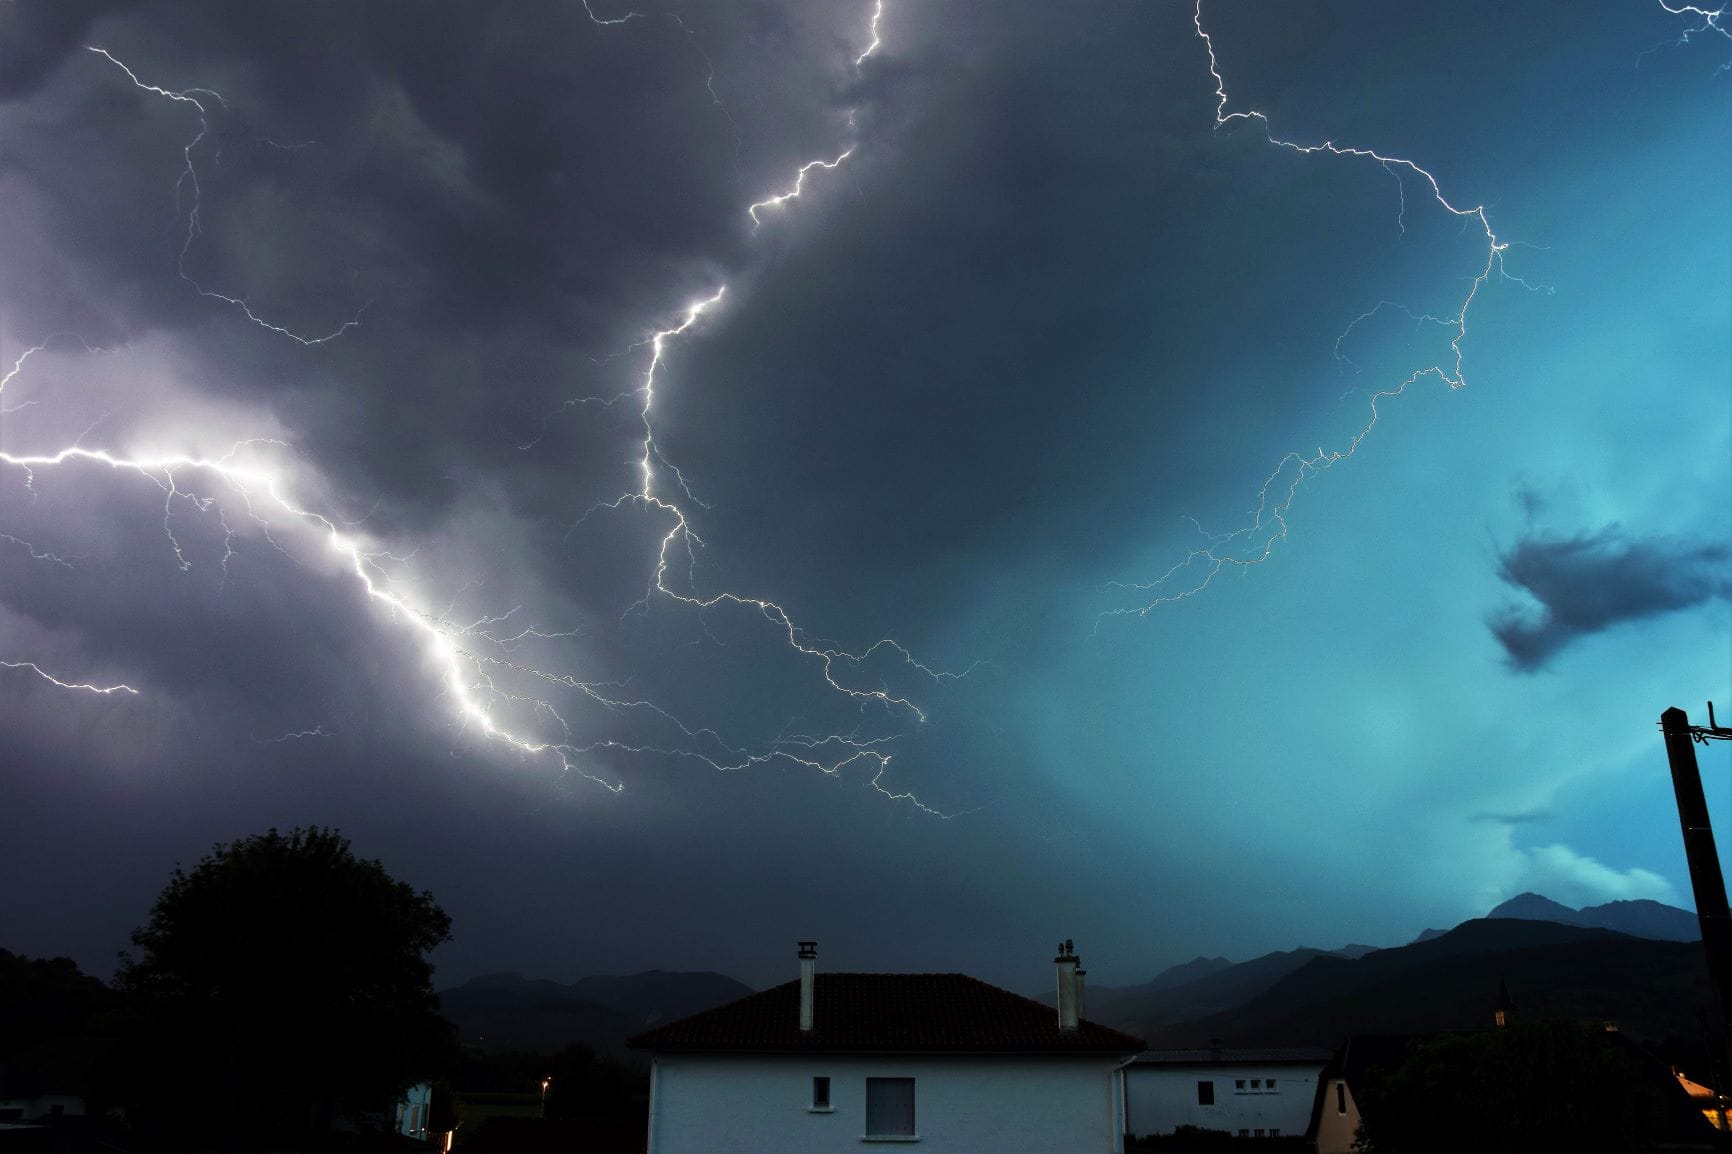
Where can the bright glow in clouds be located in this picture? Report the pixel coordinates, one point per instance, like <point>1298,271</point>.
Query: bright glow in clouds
<point>1562,874</point>
<point>463,671</point>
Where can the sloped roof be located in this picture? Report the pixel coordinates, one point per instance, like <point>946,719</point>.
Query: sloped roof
<point>887,1012</point>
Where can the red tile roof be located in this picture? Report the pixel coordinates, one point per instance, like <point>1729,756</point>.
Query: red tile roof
<point>887,1012</point>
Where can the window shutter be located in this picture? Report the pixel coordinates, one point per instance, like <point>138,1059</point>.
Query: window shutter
<point>889,1106</point>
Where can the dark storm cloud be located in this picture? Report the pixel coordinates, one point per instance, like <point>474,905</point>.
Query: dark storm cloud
<point>33,38</point>
<point>1590,582</point>
<point>1043,312</point>
<point>507,197</point>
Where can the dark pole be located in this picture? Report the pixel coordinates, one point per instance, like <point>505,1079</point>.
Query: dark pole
<point>1706,881</point>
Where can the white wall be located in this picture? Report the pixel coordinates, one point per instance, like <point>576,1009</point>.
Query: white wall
<point>1337,1128</point>
<point>1160,1099</point>
<point>411,1116</point>
<point>748,1104</point>
<point>42,1106</point>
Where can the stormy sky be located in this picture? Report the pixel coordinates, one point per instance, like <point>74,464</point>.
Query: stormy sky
<point>1083,511</point>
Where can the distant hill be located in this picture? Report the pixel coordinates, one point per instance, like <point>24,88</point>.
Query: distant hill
<point>1641,918</point>
<point>1196,988</point>
<point>511,1012</point>
<point>1650,988</point>
<point>657,996</point>
<point>1184,973</point>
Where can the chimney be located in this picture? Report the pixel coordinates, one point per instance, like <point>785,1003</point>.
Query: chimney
<point>808,975</point>
<point>1069,989</point>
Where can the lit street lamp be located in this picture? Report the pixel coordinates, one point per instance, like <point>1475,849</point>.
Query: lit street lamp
<point>544,1085</point>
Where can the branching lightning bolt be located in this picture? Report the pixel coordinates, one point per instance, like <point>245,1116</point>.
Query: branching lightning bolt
<point>799,185</point>
<point>461,653</point>
<point>188,178</point>
<point>1253,543</point>
<point>681,535</point>
<point>780,199</point>
<point>1710,22</point>
<point>263,489</point>
<point>297,735</point>
<point>80,685</point>
<point>607,23</point>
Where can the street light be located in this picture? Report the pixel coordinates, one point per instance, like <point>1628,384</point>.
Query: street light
<point>544,1085</point>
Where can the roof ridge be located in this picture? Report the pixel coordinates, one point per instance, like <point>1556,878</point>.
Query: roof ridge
<point>871,1010</point>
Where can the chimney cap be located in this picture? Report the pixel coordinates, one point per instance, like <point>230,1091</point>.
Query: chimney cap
<point>808,949</point>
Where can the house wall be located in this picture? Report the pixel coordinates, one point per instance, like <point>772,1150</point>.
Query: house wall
<point>412,1111</point>
<point>41,1106</point>
<point>1336,1128</point>
<point>1160,1099</point>
<point>728,1103</point>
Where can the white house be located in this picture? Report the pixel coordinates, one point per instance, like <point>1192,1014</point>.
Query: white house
<point>1249,1093</point>
<point>1338,1111</point>
<point>832,1061</point>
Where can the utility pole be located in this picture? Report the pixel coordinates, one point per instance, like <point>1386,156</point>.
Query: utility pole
<point>1706,881</point>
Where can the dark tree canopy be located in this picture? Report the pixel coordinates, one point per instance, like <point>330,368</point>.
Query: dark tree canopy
<point>54,1022</point>
<point>1541,1085</point>
<point>279,984</point>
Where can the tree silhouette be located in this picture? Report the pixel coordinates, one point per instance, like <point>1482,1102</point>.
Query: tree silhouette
<point>1540,1085</point>
<point>281,984</point>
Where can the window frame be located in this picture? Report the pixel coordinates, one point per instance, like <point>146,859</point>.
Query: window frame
<point>1205,1091</point>
<point>813,1105</point>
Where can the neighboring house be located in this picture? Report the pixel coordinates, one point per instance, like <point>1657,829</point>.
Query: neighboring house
<point>410,1119</point>
<point>36,1107</point>
<point>830,1061</point>
<point>1337,1111</point>
<point>1250,1093</point>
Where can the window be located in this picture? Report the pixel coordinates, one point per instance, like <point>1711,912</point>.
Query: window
<point>1269,1085</point>
<point>1244,1132</point>
<point>1239,1085</point>
<point>1205,1093</point>
<point>889,1107</point>
<point>1341,1097</point>
<point>1256,1083</point>
<point>1274,1131</point>
<point>821,1093</point>
<point>1258,1133</point>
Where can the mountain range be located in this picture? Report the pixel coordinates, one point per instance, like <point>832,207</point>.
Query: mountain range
<point>1642,918</point>
<point>509,1012</point>
<point>1633,962</point>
